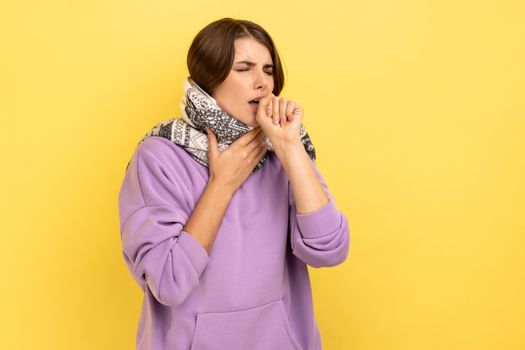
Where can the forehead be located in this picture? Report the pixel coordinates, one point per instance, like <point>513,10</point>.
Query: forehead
<point>251,50</point>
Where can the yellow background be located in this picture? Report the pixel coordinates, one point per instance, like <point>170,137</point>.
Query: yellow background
<point>416,109</point>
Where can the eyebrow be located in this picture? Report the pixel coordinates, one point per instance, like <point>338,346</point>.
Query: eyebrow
<point>253,64</point>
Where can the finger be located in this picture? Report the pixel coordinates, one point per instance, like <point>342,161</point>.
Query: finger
<point>247,137</point>
<point>256,142</point>
<point>258,154</point>
<point>255,139</point>
<point>265,105</point>
<point>242,142</point>
<point>282,111</point>
<point>212,143</point>
<point>269,109</point>
<point>264,149</point>
<point>289,110</point>
<point>255,148</point>
<point>265,101</point>
<point>298,112</point>
<point>275,114</point>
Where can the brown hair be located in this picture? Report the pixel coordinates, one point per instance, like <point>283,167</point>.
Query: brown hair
<point>212,52</point>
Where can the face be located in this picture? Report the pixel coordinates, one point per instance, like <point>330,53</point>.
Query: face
<point>250,78</point>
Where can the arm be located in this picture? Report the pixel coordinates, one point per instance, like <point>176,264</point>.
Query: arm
<point>206,218</point>
<point>319,232</point>
<point>307,190</point>
<point>155,202</point>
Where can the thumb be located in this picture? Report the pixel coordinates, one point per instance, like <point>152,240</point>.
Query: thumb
<point>212,143</point>
<point>263,102</point>
<point>265,105</point>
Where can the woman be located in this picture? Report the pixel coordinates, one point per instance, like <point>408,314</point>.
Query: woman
<point>222,210</point>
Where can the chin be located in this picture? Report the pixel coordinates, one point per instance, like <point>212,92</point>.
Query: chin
<point>251,122</point>
<point>248,119</point>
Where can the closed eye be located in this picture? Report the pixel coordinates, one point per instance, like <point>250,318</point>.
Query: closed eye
<point>245,70</point>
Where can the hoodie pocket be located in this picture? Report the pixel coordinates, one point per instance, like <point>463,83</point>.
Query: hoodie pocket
<point>260,328</point>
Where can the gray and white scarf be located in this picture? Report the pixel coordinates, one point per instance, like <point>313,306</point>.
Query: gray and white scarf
<point>199,110</point>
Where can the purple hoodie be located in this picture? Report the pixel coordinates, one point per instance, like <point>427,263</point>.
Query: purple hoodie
<point>253,290</point>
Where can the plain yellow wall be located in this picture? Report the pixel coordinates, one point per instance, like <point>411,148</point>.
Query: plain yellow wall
<point>416,109</point>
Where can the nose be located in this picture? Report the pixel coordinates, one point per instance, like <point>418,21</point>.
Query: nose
<point>262,80</point>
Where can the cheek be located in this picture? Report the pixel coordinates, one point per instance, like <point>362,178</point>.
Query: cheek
<point>233,93</point>
<point>233,86</point>
<point>230,102</point>
<point>238,92</point>
<point>238,84</point>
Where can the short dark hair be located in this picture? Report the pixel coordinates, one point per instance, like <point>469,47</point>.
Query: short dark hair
<point>212,52</point>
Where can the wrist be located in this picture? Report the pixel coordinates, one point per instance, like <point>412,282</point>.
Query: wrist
<point>287,150</point>
<point>287,147</point>
<point>219,189</point>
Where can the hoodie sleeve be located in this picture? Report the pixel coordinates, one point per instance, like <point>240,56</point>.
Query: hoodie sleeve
<point>320,238</point>
<point>154,204</point>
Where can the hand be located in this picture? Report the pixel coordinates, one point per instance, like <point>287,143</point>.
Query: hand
<point>280,119</point>
<point>233,165</point>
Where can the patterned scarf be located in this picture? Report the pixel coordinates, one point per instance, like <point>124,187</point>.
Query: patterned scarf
<point>199,110</point>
